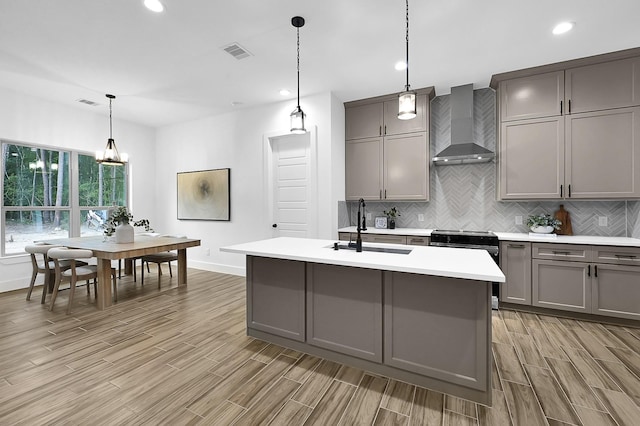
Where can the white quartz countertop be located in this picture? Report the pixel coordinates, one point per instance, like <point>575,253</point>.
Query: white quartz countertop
<point>516,236</point>
<point>439,261</point>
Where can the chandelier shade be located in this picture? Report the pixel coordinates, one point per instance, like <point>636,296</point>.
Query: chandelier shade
<point>110,155</point>
<point>297,115</point>
<point>407,99</point>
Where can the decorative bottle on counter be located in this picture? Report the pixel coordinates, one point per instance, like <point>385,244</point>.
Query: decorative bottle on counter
<point>392,224</point>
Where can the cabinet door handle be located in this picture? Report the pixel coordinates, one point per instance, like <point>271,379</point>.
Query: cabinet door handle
<point>595,269</point>
<point>560,191</point>
<point>385,194</point>
<point>385,129</point>
<point>381,194</point>
<point>516,245</point>
<point>569,190</point>
<point>560,107</point>
<point>569,106</point>
<point>625,256</point>
<point>380,131</point>
<point>589,271</point>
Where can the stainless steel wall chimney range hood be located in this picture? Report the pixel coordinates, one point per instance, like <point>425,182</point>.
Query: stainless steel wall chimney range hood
<point>463,150</point>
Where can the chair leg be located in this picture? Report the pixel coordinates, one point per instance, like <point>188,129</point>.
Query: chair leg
<point>56,285</point>
<point>159,274</point>
<point>119,268</point>
<point>47,282</point>
<point>33,283</point>
<point>72,290</point>
<point>148,271</point>
<point>170,273</point>
<point>142,273</point>
<point>95,287</point>
<point>133,261</point>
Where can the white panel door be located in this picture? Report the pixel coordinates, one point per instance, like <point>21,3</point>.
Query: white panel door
<point>292,182</point>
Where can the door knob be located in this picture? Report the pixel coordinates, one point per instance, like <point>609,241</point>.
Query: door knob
<point>275,225</point>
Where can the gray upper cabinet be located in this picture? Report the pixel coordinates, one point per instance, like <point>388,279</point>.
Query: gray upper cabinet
<point>603,86</point>
<point>363,173</point>
<point>532,97</point>
<point>570,130</point>
<point>406,176</point>
<point>363,121</point>
<point>531,160</point>
<point>387,158</point>
<point>603,154</point>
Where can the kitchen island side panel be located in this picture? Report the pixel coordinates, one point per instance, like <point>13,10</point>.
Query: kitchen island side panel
<point>438,327</point>
<point>276,296</point>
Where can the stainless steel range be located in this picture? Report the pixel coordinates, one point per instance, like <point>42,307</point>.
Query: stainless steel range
<point>482,240</point>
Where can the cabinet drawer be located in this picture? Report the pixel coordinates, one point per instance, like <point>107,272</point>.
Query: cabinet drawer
<point>344,236</point>
<point>417,241</point>
<point>388,239</point>
<point>568,252</point>
<point>616,255</point>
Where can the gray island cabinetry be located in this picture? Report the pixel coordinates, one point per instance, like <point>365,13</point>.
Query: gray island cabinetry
<point>422,317</point>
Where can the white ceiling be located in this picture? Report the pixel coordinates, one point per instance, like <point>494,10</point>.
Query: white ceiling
<point>167,68</point>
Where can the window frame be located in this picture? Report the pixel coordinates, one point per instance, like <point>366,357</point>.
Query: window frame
<point>74,208</point>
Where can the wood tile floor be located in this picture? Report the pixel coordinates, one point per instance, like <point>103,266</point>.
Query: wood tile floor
<point>180,356</point>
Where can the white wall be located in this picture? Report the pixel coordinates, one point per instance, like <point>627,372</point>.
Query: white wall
<point>32,120</point>
<point>235,140</point>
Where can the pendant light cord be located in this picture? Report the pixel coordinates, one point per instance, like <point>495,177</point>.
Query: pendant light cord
<point>407,18</point>
<point>298,66</point>
<point>110,121</point>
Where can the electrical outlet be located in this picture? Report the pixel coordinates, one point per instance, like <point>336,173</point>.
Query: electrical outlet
<point>368,216</point>
<point>603,221</point>
<point>421,218</point>
<point>207,252</point>
<point>518,220</point>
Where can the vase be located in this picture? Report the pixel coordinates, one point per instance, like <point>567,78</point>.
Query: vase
<point>124,233</point>
<point>392,224</point>
<point>542,229</point>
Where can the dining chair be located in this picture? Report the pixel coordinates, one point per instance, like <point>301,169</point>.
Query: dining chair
<point>41,265</point>
<point>75,272</point>
<point>160,258</point>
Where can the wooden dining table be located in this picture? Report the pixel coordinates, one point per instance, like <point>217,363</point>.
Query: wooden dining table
<point>106,251</point>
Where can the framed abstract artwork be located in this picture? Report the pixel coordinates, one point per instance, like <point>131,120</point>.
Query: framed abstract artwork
<point>204,195</point>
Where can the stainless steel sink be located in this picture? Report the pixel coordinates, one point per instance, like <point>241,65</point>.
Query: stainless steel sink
<point>376,249</point>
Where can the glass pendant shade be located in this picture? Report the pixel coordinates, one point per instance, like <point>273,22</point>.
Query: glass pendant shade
<point>111,156</point>
<point>407,105</point>
<point>297,121</point>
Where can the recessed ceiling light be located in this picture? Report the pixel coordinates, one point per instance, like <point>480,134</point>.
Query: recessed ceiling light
<point>285,92</point>
<point>563,27</point>
<point>401,66</point>
<point>154,5</point>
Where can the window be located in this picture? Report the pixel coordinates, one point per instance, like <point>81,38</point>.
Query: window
<point>42,198</point>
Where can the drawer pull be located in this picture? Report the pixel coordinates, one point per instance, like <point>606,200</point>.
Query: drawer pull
<point>566,253</point>
<point>626,256</point>
<point>516,245</point>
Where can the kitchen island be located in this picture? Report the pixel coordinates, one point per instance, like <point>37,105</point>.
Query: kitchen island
<point>423,317</point>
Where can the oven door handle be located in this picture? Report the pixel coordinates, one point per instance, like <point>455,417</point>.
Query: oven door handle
<point>491,249</point>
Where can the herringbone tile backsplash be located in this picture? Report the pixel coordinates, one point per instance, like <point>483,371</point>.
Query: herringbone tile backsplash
<point>464,196</point>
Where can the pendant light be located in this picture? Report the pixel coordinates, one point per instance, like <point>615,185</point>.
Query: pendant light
<point>110,156</point>
<point>407,99</point>
<point>297,116</point>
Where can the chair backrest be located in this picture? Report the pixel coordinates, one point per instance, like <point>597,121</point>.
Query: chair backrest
<point>39,248</point>
<point>67,253</point>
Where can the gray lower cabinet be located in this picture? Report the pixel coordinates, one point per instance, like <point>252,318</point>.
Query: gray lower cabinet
<point>421,312</point>
<point>615,291</point>
<point>272,284</point>
<point>515,262</point>
<point>562,285</point>
<point>344,310</point>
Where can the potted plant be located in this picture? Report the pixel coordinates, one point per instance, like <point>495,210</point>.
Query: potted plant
<point>391,214</point>
<point>119,223</point>
<point>543,223</point>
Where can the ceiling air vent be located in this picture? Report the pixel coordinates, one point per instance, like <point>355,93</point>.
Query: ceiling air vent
<point>237,51</point>
<point>88,102</point>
